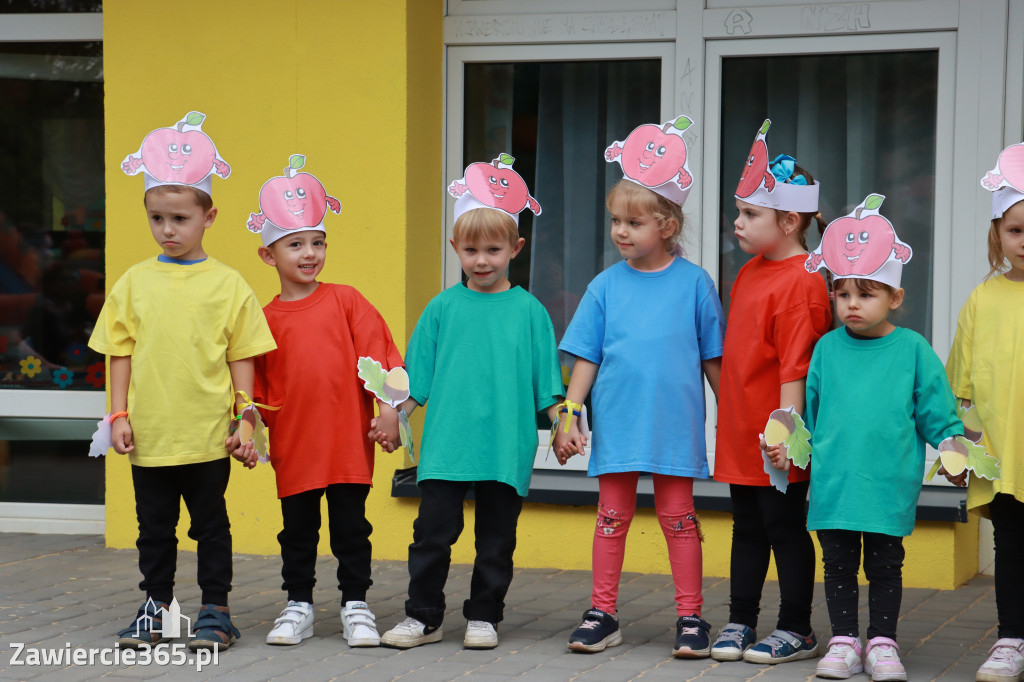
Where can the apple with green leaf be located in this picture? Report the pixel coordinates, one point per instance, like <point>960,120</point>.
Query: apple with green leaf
<point>653,155</point>
<point>177,155</point>
<point>496,185</point>
<point>293,201</point>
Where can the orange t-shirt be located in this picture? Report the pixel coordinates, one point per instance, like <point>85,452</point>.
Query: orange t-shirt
<point>777,312</point>
<point>318,437</point>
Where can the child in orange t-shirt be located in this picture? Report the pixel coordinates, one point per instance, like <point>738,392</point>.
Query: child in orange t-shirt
<point>318,437</point>
<point>777,312</point>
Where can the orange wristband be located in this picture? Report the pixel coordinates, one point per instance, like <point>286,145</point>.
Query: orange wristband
<point>116,415</point>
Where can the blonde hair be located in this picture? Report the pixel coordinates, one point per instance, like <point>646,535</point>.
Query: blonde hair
<point>805,218</point>
<point>485,223</point>
<point>204,200</point>
<point>996,257</point>
<point>640,199</point>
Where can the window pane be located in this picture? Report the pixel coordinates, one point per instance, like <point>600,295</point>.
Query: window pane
<point>27,472</point>
<point>52,214</point>
<point>859,123</point>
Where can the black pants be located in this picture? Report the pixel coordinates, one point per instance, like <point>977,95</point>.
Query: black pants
<point>883,564</point>
<point>436,529</point>
<point>1008,525</point>
<point>350,540</point>
<point>158,495</point>
<point>764,521</point>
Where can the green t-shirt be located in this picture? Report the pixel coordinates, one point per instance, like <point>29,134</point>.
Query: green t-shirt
<point>871,406</point>
<point>487,363</point>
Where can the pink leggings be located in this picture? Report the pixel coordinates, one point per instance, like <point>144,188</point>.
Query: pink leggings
<point>673,500</point>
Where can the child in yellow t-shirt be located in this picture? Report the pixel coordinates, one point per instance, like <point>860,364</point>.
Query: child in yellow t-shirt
<point>181,330</point>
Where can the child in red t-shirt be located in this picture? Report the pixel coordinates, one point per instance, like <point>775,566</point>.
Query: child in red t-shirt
<point>777,313</point>
<point>318,437</point>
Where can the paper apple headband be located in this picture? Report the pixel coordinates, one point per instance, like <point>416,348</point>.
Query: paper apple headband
<point>759,185</point>
<point>654,156</point>
<point>180,155</point>
<point>293,202</point>
<point>493,185</point>
<point>862,244</point>
<point>1006,180</point>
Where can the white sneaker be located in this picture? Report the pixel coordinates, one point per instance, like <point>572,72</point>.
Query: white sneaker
<point>409,633</point>
<point>360,625</point>
<point>842,660</point>
<point>293,625</point>
<point>480,635</point>
<point>882,661</point>
<point>1005,662</point>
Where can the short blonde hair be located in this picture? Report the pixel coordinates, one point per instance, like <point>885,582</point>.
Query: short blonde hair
<point>485,223</point>
<point>639,199</point>
<point>204,200</point>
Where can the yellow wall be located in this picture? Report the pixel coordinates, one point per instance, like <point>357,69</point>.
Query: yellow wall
<point>357,87</point>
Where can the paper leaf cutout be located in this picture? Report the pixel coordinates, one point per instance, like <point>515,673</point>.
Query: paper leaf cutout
<point>786,429</point>
<point>102,440</point>
<point>778,477</point>
<point>296,161</point>
<point>251,428</point>
<point>405,434</point>
<point>391,387</point>
<point>194,118</point>
<point>957,454</point>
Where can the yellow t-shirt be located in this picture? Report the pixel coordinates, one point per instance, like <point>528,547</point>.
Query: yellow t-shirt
<point>181,325</point>
<point>986,366</point>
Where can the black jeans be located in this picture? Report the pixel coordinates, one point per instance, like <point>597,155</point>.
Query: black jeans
<point>350,540</point>
<point>158,495</point>
<point>764,521</point>
<point>1008,526</point>
<point>883,564</point>
<point>436,529</point>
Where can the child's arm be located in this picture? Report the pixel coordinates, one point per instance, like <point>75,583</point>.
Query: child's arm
<point>713,371</point>
<point>960,480</point>
<point>389,439</point>
<point>120,377</point>
<point>573,442</point>
<point>243,377</point>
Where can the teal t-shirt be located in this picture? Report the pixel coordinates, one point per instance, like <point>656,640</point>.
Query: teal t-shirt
<point>871,406</point>
<point>487,364</point>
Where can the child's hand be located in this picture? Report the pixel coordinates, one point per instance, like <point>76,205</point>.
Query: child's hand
<point>121,436</point>
<point>775,456</point>
<point>960,480</point>
<point>379,434</point>
<point>568,444</point>
<point>246,454</point>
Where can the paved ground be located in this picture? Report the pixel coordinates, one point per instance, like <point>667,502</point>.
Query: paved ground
<point>60,592</point>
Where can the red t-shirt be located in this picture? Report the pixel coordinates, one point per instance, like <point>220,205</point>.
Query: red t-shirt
<point>777,312</point>
<point>318,437</point>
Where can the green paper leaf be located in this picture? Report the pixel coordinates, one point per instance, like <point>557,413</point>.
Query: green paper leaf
<point>979,461</point>
<point>873,202</point>
<point>683,122</point>
<point>373,375</point>
<point>296,161</point>
<point>506,159</point>
<point>194,118</point>
<point>798,444</point>
<point>765,126</point>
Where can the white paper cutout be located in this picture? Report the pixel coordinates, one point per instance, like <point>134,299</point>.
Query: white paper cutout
<point>957,454</point>
<point>1006,180</point>
<point>179,155</point>
<point>759,186</point>
<point>493,185</point>
<point>389,386</point>
<point>405,434</point>
<point>786,429</point>
<point>778,478</point>
<point>252,428</point>
<point>102,439</point>
<point>655,156</point>
<point>862,244</point>
<point>292,202</point>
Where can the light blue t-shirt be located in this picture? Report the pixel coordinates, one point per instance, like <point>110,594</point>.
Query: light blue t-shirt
<point>649,332</point>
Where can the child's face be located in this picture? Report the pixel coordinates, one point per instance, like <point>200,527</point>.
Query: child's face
<point>298,257</point>
<point>757,228</point>
<point>178,223</point>
<point>485,261</point>
<point>1011,239</point>
<point>639,238</point>
<point>866,312</point>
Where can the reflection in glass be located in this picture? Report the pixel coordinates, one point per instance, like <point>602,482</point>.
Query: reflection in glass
<point>860,123</point>
<point>52,214</point>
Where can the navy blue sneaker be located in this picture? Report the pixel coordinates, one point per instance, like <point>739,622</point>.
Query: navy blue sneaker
<point>597,632</point>
<point>693,639</point>
<point>782,646</point>
<point>733,640</point>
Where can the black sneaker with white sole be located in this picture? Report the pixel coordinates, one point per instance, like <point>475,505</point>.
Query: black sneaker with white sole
<point>597,632</point>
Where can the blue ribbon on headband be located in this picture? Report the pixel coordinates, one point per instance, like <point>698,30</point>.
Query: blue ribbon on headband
<point>782,167</point>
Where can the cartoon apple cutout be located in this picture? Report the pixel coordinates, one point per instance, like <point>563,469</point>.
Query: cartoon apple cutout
<point>1009,170</point>
<point>495,184</point>
<point>653,155</point>
<point>860,243</point>
<point>293,201</point>
<point>755,169</point>
<point>177,155</point>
